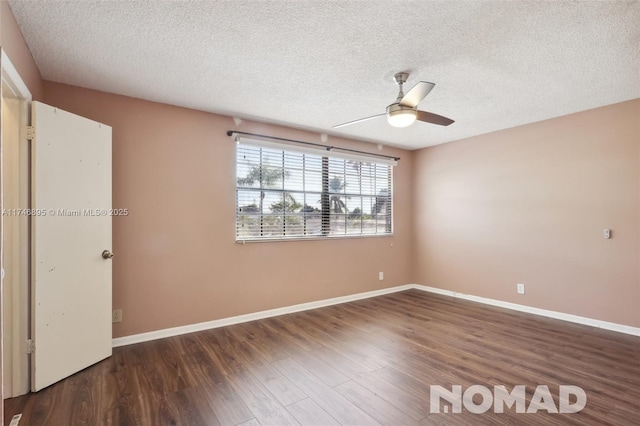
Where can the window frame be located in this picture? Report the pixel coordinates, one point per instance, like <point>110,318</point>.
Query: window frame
<point>325,194</point>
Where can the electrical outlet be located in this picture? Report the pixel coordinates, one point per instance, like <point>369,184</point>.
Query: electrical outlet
<point>520,288</point>
<point>381,276</point>
<point>116,315</point>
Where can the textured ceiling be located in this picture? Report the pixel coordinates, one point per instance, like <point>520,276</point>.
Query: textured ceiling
<point>315,64</point>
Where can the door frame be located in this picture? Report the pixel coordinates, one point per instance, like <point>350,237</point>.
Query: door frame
<point>19,322</point>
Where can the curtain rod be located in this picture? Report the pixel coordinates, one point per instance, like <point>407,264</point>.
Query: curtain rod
<point>327,147</point>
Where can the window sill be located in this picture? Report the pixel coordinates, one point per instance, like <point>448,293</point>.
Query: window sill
<point>328,238</point>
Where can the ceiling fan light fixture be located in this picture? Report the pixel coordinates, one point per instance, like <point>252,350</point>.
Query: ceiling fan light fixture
<point>400,116</point>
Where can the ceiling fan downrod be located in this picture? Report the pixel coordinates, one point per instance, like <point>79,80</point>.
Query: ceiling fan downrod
<point>400,79</point>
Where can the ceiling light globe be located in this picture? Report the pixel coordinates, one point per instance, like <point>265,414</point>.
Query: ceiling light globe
<point>401,116</point>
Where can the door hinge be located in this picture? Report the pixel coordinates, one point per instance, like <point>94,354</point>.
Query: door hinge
<point>31,133</point>
<point>31,346</point>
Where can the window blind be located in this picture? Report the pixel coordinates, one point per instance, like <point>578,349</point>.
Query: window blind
<point>290,192</point>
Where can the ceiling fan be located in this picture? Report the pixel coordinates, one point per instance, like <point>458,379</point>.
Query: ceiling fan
<point>404,111</point>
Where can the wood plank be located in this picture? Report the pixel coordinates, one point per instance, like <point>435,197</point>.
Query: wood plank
<point>280,387</point>
<point>340,362</point>
<point>309,413</point>
<point>226,404</point>
<point>252,422</point>
<point>384,412</point>
<point>328,399</point>
<point>415,406</point>
<point>319,368</point>
<point>260,401</point>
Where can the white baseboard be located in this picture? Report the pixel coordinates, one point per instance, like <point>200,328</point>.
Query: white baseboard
<point>537,311</point>
<point>176,331</point>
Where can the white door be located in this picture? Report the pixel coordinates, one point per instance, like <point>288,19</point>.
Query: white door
<point>71,227</point>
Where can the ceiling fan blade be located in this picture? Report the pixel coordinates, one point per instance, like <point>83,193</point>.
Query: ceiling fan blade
<point>430,117</point>
<point>416,94</point>
<point>358,120</point>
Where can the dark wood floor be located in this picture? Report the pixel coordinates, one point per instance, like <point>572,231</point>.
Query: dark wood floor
<point>362,363</point>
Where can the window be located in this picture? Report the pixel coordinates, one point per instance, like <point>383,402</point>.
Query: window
<point>287,192</point>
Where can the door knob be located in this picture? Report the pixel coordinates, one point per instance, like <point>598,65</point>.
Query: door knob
<point>107,254</point>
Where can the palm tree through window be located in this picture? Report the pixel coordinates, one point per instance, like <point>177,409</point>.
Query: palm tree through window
<point>282,193</point>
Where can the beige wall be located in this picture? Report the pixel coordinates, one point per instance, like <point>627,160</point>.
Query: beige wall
<point>176,258</point>
<point>13,44</point>
<point>529,205</point>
